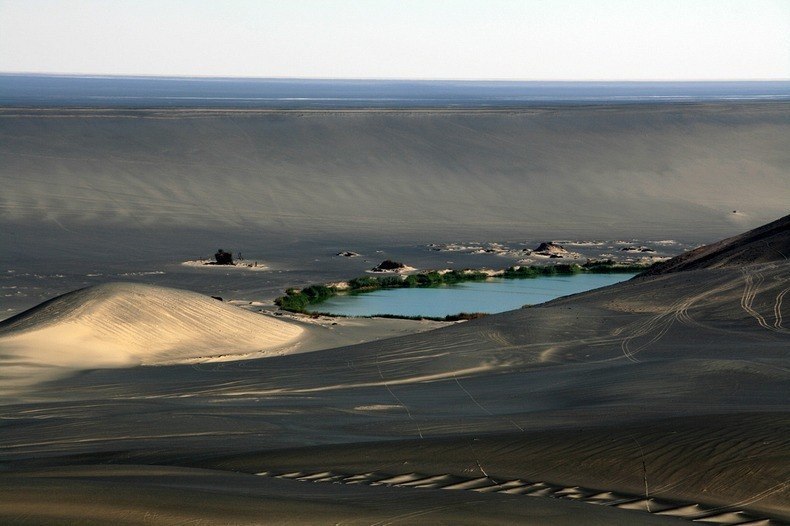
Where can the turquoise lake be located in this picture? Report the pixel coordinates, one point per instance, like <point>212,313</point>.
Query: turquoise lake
<point>490,296</point>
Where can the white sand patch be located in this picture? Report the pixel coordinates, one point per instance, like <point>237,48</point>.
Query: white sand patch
<point>452,374</point>
<point>309,319</point>
<point>581,243</point>
<point>239,265</point>
<point>402,270</point>
<point>456,247</point>
<point>573,256</point>
<point>379,407</point>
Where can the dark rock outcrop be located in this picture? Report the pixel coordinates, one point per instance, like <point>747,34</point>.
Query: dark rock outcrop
<point>223,258</point>
<point>549,248</point>
<point>388,264</point>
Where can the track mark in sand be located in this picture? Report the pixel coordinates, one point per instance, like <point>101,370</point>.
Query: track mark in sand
<point>420,513</point>
<point>778,308</point>
<point>404,406</point>
<point>750,291</point>
<point>658,325</point>
<point>624,345</point>
<point>682,307</point>
<point>752,282</point>
<point>768,245</point>
<point>473,399</point>
<point>497,337</point>
<point>662,322</point>
<point>644,474</point>
<point>724,515</point>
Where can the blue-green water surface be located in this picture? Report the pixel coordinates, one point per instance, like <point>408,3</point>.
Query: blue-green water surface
<point>490,296</point>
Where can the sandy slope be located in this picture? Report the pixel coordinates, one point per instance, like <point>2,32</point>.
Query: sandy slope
<point>600,171</point>
<point>167,495</point>
<point>666,391</point>
<point>766,243</point>
<point>122,324</point>
<point>669,379</point>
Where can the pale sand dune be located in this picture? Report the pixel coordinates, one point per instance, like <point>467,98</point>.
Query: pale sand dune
<point>126,324</point>
<point>122,324</point>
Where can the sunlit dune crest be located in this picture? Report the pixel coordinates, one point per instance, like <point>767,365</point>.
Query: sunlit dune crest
<point>126,324</point>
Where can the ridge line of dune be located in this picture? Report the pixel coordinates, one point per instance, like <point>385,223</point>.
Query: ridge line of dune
<point>725,515</point>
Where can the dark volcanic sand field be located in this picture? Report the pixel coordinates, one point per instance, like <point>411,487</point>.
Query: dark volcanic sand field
<point>655,401</point>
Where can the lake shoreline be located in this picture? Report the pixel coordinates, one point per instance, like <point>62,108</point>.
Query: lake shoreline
<point>299,301</point>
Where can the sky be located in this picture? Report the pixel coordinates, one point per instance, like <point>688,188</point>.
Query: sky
<point>410,39</point>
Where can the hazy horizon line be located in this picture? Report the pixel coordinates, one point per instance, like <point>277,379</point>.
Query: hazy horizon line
<point>385,79</point>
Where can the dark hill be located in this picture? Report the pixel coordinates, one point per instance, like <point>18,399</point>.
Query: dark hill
<point>764,244</point>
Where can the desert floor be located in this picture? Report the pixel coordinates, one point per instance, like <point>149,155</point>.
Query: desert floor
<point>659,400</point>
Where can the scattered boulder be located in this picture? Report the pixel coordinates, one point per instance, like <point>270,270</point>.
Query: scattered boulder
<point>348,254</point>
<point>388,265</point>
<point>550,248</point>
<point>223,258</point>
<point>218,298</point>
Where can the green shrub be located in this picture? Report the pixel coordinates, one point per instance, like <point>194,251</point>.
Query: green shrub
<point>454,276</point>
<point>364,283</point>
<point>296,300</point>
<point>411,281</point>
<point>548,270</point>
<point>465,316</point>
<point>390,282</point>
<point>611,267</point>
<point>317,293</point>
<point>292,302</point>
<point>564,268</point>
<point>434,278</point>
<point>521,272</point>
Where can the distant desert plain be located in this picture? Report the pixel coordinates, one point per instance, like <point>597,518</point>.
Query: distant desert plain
<point>128,395</point>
